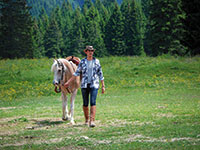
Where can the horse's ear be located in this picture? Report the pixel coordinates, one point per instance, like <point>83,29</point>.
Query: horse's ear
<point>55,60</point>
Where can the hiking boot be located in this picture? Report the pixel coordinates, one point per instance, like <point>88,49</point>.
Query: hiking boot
<point>92,116</point>
<point>86,114</point>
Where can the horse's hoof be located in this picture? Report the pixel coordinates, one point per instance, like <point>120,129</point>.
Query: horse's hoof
<point>72,123</point>
<point>64,119</point>
<point>86,123</point>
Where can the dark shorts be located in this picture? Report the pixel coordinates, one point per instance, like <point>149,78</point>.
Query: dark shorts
<point>93,95</point>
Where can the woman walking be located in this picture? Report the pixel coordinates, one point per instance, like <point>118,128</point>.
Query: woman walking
<point>91,72</point>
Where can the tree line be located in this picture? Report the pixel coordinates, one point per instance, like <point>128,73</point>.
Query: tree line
<point>134,28</point>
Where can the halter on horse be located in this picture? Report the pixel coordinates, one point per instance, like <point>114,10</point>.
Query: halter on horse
<point>60,65</point>
<point>74,60</point>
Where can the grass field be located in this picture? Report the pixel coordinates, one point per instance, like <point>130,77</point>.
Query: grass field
<point>150,103</point>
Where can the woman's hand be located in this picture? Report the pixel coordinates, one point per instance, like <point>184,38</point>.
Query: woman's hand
<point>103,89</point>
<point>66,84</point>
<point>69,81</point>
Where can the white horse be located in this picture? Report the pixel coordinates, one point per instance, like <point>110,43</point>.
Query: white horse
<point>63,70</point>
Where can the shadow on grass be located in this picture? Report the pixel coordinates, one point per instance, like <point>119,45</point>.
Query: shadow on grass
<point>49,122</point>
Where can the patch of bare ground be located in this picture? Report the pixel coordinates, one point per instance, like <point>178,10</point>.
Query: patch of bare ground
<point>31,140</point>
<point>5,120</point>
<point>51,123</point>
<point>161,107</point>
<point>7,129</point>
<point>7,108</point>
<point>72,148</point>
<point>122,123</point>
<point>139,138</point>
<point>13,125</point>
<point>94,141</point>
<point>167,115</point>
<point>11,108</point>
<point>50,141</point>
<point>7,133</point>
<point>142,138</point>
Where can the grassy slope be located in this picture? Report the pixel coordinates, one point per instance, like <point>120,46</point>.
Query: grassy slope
<point>22,78</point>
<point>150,103</point>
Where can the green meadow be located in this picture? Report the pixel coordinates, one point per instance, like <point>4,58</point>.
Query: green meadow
<point>150,103</point>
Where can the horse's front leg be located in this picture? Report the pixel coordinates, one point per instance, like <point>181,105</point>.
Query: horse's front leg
<point>71,112</point>
<point>64,107</point>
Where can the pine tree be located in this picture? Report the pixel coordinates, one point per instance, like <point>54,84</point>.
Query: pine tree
<point>191,23</point>
<point>76,35</point>
<point>92,32</point>
<point>58,17</point>
<point>67,17</point>
<point>44,21</point>
<point>37,38</point>
<point>38,5</point>
<point>16,25</point>
<point>104,16</point>
<point>108,3</point>
<point>86,6</point>
<point>139,27</point>
<point>126,9</point>
<point>43,25</point>
<point>114,33</point>
<point>6,29</point>
<point>166,28</point>
<point>57,14</point>
<point>134,27</point>
<point>52,40</point>
<point>146,8</point>
<point>88,3</point>
<point>66,9</point>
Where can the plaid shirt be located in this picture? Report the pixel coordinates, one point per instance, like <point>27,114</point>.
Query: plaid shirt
<point>96,75</point>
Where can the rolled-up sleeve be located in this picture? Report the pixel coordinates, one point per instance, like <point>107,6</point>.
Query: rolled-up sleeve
<point>78,70</point>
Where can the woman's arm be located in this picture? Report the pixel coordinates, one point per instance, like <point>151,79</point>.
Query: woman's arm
<point>69,81</point>
<point>103,86</point>
<point>76,73</point>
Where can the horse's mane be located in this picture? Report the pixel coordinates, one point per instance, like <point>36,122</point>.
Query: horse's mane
<point>68,64</point>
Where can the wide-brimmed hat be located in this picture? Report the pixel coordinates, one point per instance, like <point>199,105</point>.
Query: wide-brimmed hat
<point>89,48</point>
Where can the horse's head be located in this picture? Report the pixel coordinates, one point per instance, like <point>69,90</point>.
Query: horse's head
<point>58,68</point>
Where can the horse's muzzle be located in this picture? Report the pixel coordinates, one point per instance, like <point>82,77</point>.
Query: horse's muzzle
<point>56,84</point>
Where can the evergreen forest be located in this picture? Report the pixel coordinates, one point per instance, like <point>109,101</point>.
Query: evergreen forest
<point>59,28</point>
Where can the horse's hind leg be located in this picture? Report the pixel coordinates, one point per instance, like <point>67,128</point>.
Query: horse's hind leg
<point>71,112</point>
<point>64,107</point>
